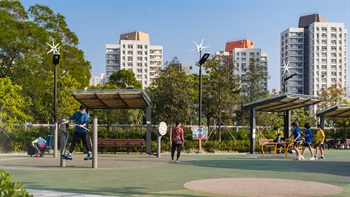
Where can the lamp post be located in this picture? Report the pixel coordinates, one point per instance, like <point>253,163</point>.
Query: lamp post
<point>287,112</point>
<point>201,62</point>
<point>56,59</point>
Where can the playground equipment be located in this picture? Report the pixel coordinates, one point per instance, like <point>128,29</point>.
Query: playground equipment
<point>64,140</point>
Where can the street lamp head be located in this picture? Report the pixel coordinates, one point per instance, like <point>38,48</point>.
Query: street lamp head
<point>290,76</point>
<point>204,58</point>
<point>56,58</point>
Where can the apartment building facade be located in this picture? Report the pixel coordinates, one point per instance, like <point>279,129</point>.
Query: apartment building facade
<point>241,51</point>
<point>317,52</point>
<point>135,53</point>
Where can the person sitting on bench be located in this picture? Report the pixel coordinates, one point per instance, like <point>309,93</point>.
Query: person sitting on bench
<point>279,146</point>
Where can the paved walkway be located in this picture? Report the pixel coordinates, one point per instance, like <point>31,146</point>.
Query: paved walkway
<point>44,193</point>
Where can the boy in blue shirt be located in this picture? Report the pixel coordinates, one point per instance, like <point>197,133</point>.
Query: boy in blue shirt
<point>297,140</point>
<point>308,140</point>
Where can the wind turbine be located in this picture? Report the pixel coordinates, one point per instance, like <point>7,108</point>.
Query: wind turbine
<point>285,68</point>
<point>199,48</point>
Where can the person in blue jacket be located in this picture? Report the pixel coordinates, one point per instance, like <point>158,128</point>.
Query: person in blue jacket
<point>80,133</point>
<point>297,139</point>
<point>308,141</point>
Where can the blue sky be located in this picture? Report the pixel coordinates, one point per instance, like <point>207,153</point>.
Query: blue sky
<point>175,24</point>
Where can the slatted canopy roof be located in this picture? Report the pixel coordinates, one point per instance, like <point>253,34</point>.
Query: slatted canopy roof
<point>282,102</point>
<point>113,99</point>
<point>337,111</point>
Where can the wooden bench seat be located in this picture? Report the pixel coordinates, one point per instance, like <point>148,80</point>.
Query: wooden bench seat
<point>263,142</point>
<point>113,144</point>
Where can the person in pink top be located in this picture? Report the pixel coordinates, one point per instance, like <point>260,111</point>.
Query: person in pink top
<point>177,139</point>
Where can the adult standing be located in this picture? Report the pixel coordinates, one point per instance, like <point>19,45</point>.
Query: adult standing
<point>297,139</point>
<point>80,133</point>
<point>177,139</point>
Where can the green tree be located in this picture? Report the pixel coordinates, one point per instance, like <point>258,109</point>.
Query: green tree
<point>23,58</point>
<point>11,105</point>
<point>125,79</point>
<point>254,80</point>
<point>172,95</point>
<point>333,96</point>
<point>221,89</point>
<point>253,87</point>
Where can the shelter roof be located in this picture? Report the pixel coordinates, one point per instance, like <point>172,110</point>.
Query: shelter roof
<point>282,102</point>
<point>113,99</point>
<point>336,111</point>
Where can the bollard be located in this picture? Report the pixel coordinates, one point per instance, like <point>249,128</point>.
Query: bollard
<point>55,141</point>
<point>94,142</point>
<point>63,143</point>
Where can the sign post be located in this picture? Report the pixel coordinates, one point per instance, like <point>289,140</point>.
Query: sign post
<point>161,131</point>
<point>199,133</point>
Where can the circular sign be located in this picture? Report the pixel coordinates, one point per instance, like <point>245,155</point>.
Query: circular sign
<point>162,128</point>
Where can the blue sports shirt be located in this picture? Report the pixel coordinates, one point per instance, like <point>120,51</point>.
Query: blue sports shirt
<point>308,136</point>
<point>296,132</point>
<point>80,118</point>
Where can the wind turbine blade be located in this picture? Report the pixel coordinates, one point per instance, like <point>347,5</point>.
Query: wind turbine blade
<point>195,43</point>
<point>203,47</point>
<point>202,42</point>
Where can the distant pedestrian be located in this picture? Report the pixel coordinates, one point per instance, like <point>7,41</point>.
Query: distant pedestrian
<point>40,146</point>
<point>320,137</point>
<point>308,140</point>
<point>177,139</point>
<point>297,139</point>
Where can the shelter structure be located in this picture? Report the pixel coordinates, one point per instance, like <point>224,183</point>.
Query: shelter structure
<point>336,111</point>
<point>282,104</point>
<point>118,99</point>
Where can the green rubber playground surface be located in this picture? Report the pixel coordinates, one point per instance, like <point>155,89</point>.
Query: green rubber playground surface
<point>133,174</point>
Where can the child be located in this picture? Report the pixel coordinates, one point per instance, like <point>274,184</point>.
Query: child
<point>40,145</point>
<point>279,146</point>
<point>308,141</point>
<point>319,141</point>
<point>297,140</point>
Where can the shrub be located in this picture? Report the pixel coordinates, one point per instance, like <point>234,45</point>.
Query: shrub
<point>12,189</point>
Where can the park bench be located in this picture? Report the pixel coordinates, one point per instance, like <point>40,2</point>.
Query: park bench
<point>112,144</point>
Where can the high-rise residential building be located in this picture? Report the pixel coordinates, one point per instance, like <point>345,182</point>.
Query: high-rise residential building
<point>100,80</point>
<point>241,51</point>
<point>135,53</point>
<point>317,51</point>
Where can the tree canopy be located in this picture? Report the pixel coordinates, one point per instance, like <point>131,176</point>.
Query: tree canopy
<point>24,58</point>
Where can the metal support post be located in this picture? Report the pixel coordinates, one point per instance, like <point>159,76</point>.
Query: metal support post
<point>63,143</point>
<point>252,130</point>
<point>148,131</point>
<point>94,142</point>
<point>159,137</point>
<point>286,131</point>
<point>55,141</point>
